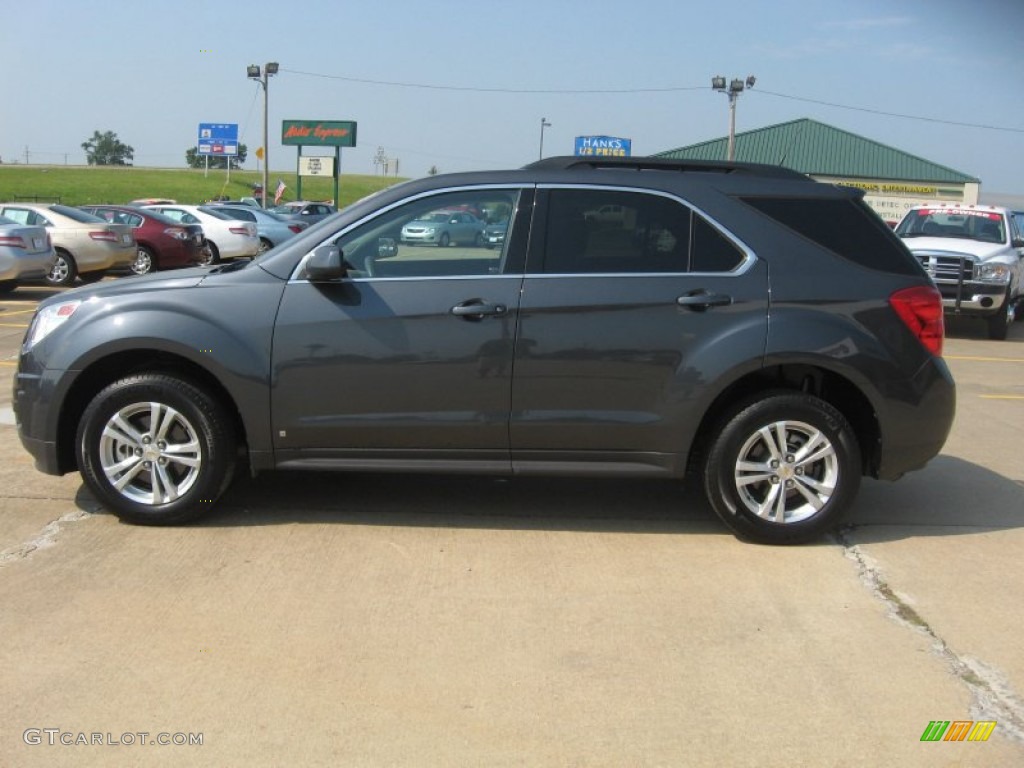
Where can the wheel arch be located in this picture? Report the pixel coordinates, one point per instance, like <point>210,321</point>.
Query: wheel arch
<point>109,369</point>
<point>828,385</point>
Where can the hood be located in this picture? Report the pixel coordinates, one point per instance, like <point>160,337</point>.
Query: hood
<point>157,281</point>
<point>954,245</point>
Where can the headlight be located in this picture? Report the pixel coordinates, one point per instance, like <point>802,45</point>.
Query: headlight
<point>430,230</point>
<point>992,273</point>
<point>49,319</point>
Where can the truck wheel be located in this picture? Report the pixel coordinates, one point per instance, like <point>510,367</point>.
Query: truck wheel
<point>155,449</point>
<point>783,469</point>
<point>999,324</point>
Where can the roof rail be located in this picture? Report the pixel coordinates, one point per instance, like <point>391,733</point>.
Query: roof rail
<point>568,162</point>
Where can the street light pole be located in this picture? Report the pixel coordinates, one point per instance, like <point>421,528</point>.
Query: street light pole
<point>543,124</point>
<point>733,92</point>
<point>253,72</point>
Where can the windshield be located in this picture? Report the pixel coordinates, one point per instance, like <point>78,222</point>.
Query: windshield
<point>962,223</point>
<point>286,208</point>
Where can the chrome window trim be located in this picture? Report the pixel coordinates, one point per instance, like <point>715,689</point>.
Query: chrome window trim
<point>397,204</point>
<point>749,257</point>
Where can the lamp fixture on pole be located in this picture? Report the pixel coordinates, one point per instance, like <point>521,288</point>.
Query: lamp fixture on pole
<point>543,124</point>
<point>733,91</point>
<point>253,72</point>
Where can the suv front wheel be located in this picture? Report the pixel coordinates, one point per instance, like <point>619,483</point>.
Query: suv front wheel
<point>155,449</point>
<point>783,469</point>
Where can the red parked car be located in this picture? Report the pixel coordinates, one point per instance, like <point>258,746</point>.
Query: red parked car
<point>163,242</point>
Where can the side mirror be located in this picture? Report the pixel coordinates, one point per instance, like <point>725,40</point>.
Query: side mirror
<point>386,247</point>
<point>325,264</point>
<point>1017,242</point>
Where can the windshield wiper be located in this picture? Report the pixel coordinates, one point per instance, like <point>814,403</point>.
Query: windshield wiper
<point>232,266</point>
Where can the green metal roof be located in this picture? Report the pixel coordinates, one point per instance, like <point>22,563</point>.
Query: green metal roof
<point>818,149</point>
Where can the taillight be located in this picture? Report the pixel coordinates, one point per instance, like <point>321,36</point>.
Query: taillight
<point>104,234</point>
<point>296,228</point>
<point>920,309</point>
<point>12,240</point>
<point>241,230</point>
<point>177,233</point>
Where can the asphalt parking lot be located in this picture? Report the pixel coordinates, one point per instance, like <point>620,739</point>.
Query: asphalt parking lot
<point>362,620</point>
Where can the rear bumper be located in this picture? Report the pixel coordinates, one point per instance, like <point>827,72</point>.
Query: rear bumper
<point>917,421</point>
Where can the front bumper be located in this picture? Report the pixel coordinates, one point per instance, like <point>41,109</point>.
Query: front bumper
<point>972,298</point>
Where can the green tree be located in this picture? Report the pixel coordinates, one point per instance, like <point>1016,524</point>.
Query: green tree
<point>194,160</point>
<point>106,149</point>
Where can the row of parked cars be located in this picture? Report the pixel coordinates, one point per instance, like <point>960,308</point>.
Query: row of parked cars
<point>59,244</point>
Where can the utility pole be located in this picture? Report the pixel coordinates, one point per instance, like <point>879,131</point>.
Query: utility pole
<point>733,92</point>
<point>253,71</point>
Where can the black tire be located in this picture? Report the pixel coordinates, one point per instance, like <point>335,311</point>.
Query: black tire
<point>443,242</point>
<point>175,472</point>
<point>145,262</point>
<point>478,241</point>
<point>6,286</point>
<point>816,490</point>
<point>999,324</point>
<point>265,245</point>
<point>64,270</point>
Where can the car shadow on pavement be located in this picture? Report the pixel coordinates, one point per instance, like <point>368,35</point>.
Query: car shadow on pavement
<point>572,504</point>
<point>973,328</point>
<point>950,497</point>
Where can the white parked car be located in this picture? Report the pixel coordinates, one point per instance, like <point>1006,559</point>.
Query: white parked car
<point>228,238</point>
<point>86,245</point>
<point>26,253</point>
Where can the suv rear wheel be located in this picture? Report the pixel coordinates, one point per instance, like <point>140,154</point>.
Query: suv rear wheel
<point>783,469</point>
<point>155,449</point>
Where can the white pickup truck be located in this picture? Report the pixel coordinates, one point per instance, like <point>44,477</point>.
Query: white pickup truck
<point>975,255</point>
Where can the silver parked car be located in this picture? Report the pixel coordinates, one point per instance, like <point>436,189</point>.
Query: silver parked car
<point>86,245</point>
<point>444,228</point>
<point>26,253</point>
<point>271,229</point>
<point>303,210</point>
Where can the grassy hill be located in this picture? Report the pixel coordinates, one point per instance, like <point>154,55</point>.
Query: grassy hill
<point>78,185</point>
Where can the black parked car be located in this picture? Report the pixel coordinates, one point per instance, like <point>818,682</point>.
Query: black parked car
<point>648,344</point>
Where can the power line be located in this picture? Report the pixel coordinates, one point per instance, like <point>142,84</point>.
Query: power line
<point>669,89</point>
<point>474,89</point>
<point>891,114</point>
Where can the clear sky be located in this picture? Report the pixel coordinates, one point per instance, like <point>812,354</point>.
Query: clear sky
<point>464,85</point>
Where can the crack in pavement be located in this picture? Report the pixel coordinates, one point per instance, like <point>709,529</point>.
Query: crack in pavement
<point>992,695</point>
<point>43,540</point>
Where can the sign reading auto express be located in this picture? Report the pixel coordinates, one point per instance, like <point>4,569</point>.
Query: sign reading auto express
<point>318,133</point>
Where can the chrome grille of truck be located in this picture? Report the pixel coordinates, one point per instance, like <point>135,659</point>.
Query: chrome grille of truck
<point>946,267</point>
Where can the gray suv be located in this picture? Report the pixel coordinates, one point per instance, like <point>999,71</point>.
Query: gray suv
<point>741,323</point>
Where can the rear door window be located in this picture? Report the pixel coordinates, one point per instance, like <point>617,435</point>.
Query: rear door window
<point>596,231</point>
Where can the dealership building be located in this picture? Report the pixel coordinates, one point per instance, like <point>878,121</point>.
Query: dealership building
<point>892,180</point>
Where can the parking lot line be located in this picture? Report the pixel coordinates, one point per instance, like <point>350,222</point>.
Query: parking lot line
<point>1001,397</point>
<point>13,325</point>
<point>15,311</point>
<point>986,359</point>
